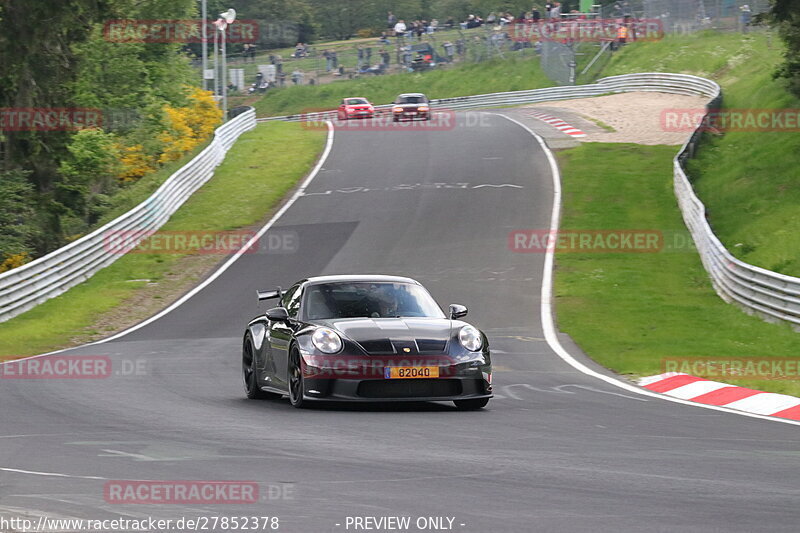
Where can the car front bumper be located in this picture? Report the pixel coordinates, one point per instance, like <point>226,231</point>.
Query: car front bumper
<point>362,379</point>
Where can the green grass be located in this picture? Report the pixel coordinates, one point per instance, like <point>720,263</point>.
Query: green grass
<point>257,173</point>
<point>630,310</point>
<point>497,75</point>
<point>748,180</point>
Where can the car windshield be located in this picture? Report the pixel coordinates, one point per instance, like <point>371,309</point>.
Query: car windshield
<point>412,100</point>
<point>356,101</point>
<point>369,300</point>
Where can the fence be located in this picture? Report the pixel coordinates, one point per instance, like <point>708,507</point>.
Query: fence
<point>687,15</point>
<point>29,285</point>
<point>394,56</point>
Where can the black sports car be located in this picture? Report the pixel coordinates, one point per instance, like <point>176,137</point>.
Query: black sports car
<point>364,338</point>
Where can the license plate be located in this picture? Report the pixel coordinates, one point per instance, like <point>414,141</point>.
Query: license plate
<point>406,372</point>
<point>412,112</point>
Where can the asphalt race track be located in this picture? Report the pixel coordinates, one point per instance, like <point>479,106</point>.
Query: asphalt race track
<point>556,450</point>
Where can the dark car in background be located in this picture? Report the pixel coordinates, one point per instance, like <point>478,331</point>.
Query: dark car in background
<point>411,106</point>
<point>364,339</point>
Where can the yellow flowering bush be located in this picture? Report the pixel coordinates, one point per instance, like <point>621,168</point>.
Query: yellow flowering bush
<point>135,163</point>
<point>189,126</point>
<point>14,261</point>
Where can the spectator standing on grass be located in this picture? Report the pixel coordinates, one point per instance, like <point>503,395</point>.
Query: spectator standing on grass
<point>745,17</point>
<point>386,59</point>
<point>297,77</point>
<point>328,60</point>
<point>335,59</point>
<point>400,30</point>
<point>536,15</point>
<point>555,11</point>
<point>391,20</point>
<point>449,50</point>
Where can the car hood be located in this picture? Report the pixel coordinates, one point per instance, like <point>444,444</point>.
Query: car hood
<point>380,336</point>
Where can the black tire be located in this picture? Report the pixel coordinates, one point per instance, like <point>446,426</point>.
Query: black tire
<point>296,379</point>
<point>251,388</point>
<point>471,404</point>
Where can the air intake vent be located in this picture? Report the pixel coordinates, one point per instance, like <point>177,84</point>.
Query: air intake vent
<point>431,345</point>
<point>378,347</point>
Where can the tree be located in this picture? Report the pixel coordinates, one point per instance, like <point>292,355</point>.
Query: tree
<point>785,15</point>
<point>18,227</point>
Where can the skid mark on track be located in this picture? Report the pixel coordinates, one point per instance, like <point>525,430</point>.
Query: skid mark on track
<point>509,391</point>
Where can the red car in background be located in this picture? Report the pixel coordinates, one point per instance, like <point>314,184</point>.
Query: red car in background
<point>355,108</point>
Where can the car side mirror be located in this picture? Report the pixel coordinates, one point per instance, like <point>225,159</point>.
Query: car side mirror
<point>278,314</point>
<point>457,311</point>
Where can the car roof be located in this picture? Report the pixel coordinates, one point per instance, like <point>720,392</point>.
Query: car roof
<point>411,94</point>
<point>351,97</point>
<point>359,277</point>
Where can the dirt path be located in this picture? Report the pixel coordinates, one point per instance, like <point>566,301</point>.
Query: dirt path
<point>637,117</point>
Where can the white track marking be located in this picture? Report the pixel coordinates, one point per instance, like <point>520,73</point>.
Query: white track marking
<point>765,403</point>
<point>698,388</point>
<point>47,474</point>
<point>548,324</point>
<point>297,194</point>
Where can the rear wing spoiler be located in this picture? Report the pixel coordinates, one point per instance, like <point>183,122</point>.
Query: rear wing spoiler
<point>269,295</point>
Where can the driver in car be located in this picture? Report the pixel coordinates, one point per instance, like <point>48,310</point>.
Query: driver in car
<point>385,298</point>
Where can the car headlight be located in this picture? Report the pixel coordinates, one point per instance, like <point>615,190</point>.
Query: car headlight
<point>423,108</point>
<point>398,109</point>
<point>470,338</point>
<point>326,340</point>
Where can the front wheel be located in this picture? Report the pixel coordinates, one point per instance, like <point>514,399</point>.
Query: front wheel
<point>296,385</point>
<point>471,404</point>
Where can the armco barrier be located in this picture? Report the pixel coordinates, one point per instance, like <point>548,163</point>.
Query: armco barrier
<point>29,285</point>
<point>771,295</point>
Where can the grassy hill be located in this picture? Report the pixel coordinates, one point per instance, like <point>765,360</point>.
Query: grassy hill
<point>749,181</point>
